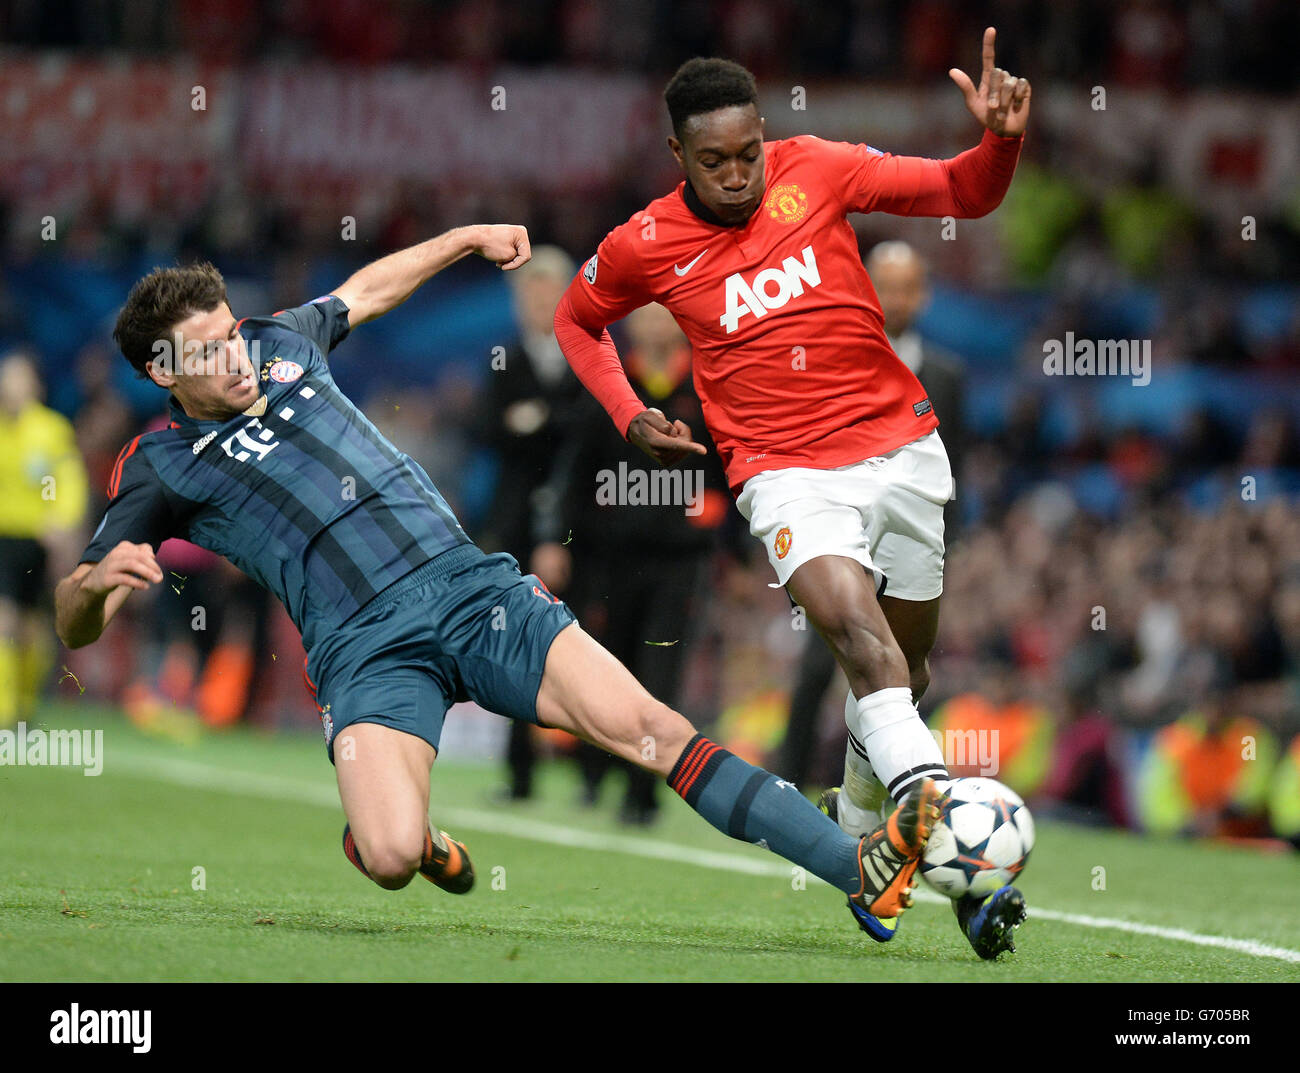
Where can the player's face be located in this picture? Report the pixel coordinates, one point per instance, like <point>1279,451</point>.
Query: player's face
<point>213,378</point>
<point>722,153</point>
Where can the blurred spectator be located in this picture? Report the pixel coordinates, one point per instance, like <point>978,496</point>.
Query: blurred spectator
<point>637,565</point>
<point>1284,795</point>
<point>532,396</point>
<point>899,276</point>
<point>1085,779</point>
<point>1207,773</point>
<point>1142,219</point>
<point>42,505</point>
<point>998,732</point>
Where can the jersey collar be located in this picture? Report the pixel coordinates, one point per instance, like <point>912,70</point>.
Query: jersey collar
<point>180,419</point>
<point>701,210</point>
<point>183,421</point>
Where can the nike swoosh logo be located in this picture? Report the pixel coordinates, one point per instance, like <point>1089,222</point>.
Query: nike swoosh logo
<point>683,271</point>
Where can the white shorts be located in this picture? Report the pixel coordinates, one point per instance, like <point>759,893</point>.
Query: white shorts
<point>885,512</point>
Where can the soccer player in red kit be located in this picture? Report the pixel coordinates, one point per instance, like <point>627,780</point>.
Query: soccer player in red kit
<point>828,440</point>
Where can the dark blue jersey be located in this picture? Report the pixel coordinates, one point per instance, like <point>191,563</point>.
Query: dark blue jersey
<point>308,498</point>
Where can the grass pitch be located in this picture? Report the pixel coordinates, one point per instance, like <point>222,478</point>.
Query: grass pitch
<point>221,861</point>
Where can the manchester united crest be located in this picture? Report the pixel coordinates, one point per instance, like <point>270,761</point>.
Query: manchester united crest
<point>786,203</point>
<point>782,542</point>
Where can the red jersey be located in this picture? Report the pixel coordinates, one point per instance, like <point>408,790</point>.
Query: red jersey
<point>791,361</point>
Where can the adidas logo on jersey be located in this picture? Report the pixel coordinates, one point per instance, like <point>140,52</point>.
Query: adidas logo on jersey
<point>770,289</point>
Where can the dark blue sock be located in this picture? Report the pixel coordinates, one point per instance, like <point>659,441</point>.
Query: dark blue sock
<point>753,805</point>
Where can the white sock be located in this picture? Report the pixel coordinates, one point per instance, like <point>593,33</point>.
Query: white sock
<point>899,748</point>
<point>945,781</point>
<point>857,818</point>
<point>863,802</point>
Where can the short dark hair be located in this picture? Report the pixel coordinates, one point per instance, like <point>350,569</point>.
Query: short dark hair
<point>160,301</point>
<point>705,85</point>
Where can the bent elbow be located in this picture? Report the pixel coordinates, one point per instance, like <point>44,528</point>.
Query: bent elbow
<point>563,319</point>
<point>68,637</point>
<point>976,210</point>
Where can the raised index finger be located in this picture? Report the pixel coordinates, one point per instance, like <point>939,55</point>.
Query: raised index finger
<point>990,36</point>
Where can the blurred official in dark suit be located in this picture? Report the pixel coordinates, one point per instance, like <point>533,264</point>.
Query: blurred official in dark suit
<point>638,564</point>
<point>899,276</point>
<point>531,398</point>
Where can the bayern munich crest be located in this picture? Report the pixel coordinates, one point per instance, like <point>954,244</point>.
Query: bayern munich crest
<point>285,372</point>
<point>786,203</point>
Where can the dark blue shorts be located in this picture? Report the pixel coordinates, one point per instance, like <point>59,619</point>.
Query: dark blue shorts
<point>464,626</point>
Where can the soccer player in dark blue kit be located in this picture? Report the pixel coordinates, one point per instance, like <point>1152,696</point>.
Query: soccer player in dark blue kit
<point>266,462</point>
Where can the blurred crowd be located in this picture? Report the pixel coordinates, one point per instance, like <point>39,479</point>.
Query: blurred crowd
<point>1246,44</point>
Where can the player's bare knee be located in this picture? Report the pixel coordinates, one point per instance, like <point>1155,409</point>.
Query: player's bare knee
<point>391,864</point>
<point>393,872</point>
<point>662,734</point>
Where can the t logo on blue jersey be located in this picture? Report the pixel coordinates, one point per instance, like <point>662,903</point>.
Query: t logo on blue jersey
<point>268,443</point>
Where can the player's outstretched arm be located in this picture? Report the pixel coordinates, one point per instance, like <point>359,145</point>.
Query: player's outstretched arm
<point>971,184</point>
<point>1001,101</point>
<point>87,599</point>
<point>387,283</point>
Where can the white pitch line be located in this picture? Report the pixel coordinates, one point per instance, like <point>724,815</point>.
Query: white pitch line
<point>1242,946</point>
<point>277,787</point>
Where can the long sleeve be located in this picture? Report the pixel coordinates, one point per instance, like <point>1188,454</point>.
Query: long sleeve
<point>138,509</point>
<point>970,185</point>
<point>606,290</point>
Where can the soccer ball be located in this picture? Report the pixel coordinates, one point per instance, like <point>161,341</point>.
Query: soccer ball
<point>981,841</point>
